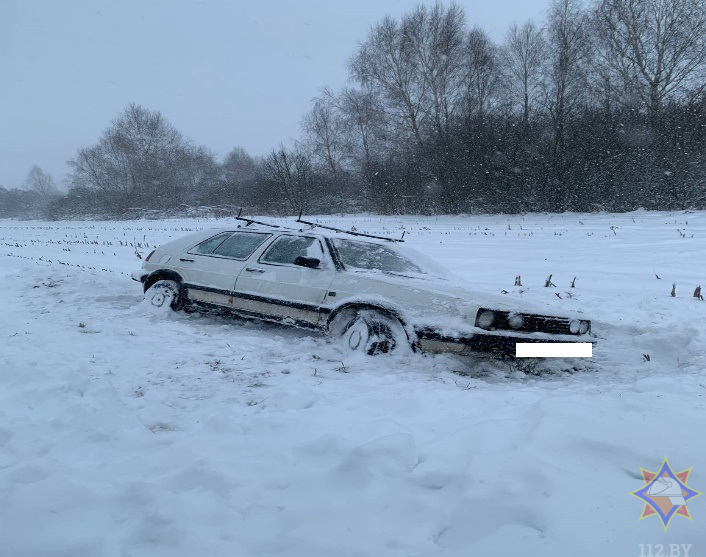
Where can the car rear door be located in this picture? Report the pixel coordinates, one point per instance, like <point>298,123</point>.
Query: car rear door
<point>211,267</point>
<point>277,288</point>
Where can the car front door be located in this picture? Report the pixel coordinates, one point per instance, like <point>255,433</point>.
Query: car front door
<point>289,281</point>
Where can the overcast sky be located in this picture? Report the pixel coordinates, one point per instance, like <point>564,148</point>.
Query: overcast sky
<point>226,73</point>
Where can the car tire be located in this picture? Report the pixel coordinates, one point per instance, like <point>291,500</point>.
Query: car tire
<point>370,332</point>
<point>165,294</point>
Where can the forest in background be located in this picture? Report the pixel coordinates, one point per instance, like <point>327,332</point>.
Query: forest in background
<point>600,107</point>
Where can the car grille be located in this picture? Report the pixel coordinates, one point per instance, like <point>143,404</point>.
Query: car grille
<point>532,324</point>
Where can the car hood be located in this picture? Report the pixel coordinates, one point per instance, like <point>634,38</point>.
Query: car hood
<point>465,294</point>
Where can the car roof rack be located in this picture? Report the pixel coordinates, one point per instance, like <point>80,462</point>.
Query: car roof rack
<point>248,222</point>
<point>351,232</point>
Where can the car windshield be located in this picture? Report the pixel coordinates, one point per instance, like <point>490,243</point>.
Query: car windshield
<point>375,257</point>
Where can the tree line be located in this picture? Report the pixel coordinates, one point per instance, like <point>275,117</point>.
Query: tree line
<point>600,107</point>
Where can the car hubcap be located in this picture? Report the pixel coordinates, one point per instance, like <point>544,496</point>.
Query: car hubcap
<point>161,297</point>
<point>370,336</point>
<point>357,335</point>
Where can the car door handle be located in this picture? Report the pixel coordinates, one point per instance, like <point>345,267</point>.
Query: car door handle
<point>254,270</point>
<point>185,259</point>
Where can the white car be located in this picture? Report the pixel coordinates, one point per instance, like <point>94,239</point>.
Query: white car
<point>376,295</point>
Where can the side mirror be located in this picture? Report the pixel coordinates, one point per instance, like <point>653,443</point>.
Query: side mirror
<point>309,262</point>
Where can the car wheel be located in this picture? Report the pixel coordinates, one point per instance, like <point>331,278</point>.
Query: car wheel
<point>370,332</point>
<point>165,294</point>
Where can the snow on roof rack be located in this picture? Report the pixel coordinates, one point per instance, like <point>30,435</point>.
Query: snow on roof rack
<point>351,232</point>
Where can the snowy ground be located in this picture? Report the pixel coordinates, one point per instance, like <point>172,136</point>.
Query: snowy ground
<point>127,433</point>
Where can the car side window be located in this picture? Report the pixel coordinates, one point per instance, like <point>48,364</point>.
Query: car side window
<point>285,249</point>
<point>206,247</point>
<point>240,245</point>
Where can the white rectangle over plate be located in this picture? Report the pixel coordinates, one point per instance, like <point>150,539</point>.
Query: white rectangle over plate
<point>553,349</point>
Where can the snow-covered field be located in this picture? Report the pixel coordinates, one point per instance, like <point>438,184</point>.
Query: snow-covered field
<point>125,432</point>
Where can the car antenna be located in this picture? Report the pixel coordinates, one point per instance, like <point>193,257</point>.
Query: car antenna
<point>252,221</point>
<point>351,232</point>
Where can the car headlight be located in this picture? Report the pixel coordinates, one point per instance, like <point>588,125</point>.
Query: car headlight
<point>575,326</point>
<point>485,319</point>
<point>516,321</point>
<point>583,329</point>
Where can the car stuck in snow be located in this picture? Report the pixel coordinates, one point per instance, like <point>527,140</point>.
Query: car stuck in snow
<point>373,293</point>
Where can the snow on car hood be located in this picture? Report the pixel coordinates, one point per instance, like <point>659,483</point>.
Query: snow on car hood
<point>406,267</point>
<point>466,297</point>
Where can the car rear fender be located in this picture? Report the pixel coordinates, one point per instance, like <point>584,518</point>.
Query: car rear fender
<point>161,274</point>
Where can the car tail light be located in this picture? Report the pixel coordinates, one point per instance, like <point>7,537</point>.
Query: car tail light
<point>150,255</point>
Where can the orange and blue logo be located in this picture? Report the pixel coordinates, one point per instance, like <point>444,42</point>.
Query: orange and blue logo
<point>665,493</point>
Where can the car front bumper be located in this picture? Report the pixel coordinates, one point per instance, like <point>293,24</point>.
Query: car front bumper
<point>488,343</point>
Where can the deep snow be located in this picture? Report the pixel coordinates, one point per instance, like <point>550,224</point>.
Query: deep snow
<point>128,432</point>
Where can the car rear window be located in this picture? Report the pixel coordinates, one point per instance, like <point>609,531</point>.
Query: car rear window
<point>234,245</point>
<point>206,247</point>
<point>241,245</point>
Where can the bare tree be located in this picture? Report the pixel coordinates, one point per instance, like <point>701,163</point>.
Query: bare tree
<point>289,172</point>
<point>239,166</point>
<point>325,132</point>
<point>656,47</point>
<point>417,68</point>
<point>199,172</point>
<point>434,38</point>
<point>237,182</point>
<point>40,182</point>
<point>141,160</point>
<point>523,57</point>
<point>566,83</point>
<point>482,72</point>
<point>384,65</point>
<point>364,122</point>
